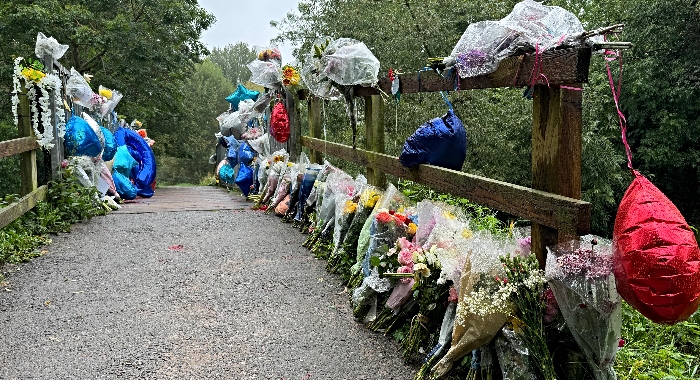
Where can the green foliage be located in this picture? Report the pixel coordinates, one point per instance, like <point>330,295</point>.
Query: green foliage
<point>184,148</point>
<point>67,202</point>
<point>654,351</point>
<point>233,60</point>
<point>482,218</point>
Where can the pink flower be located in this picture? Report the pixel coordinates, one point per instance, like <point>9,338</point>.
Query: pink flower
<point>405,244</point>
<point>621,343</point>
<point>406,258</point>
<point>551,306</point>
<point>453,295</point>
<point>524,246</point>
<point>384,217</point>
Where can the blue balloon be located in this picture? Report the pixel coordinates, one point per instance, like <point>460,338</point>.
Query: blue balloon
<point>440,142</point>
<point>144,173</point>
<point>241,94</point>
<point>125,188</point>
<point>110,145</point>
<point>226,174</point>
<point>80,139</point>
<point>232,152</point>
<point>123,161</point>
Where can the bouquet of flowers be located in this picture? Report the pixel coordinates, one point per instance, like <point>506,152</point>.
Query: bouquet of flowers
<point>338,183</point>
<point>265,70</point>
<point>391,199</point>
<point>281,192</point>
<point>386,229</point>
<point>307,185</point>
<point>316,200</point>
<point>581,275</point>
<point>528,282</point>
<point>291,79</point>
<point>513,355</point>
<point>346,253</point>
<point>484,300</point>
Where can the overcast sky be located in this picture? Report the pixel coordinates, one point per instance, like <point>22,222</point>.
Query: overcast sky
<point>246,21</point>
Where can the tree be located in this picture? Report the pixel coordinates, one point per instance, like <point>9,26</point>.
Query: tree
<point>183,149</point>
<point>233,61</point>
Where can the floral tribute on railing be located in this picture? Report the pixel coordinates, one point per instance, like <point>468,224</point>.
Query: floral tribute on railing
<point>461,300</point>
<point>40,87</point>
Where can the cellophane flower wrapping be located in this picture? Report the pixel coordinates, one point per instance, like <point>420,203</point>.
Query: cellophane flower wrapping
<point>307,185</point>
<point>285,185</point>
<point>79,90</point>
<point>338,183</point>
<point>483,303</point>
<point>349,62</point>
<point>345,209</point>
<point>265,73</point>
<point>49,45</point>
<point>513,355</point>
<point>582,278</point>
<point>528,27</point>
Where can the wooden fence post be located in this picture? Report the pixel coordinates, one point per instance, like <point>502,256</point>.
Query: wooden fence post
<point>315,126</point>
<point>56,155</point>
<point>374,136</point>
<point>292,105</point>
<point>27,160</point>
<point>556,155</point>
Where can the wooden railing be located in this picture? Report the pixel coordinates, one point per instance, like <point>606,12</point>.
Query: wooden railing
<point>25,145</point>
<point>553,203</point>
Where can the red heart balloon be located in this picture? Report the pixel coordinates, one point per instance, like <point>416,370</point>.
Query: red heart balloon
<point>657,260</point>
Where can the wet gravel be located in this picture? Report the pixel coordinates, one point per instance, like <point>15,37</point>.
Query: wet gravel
<point>240,299</point>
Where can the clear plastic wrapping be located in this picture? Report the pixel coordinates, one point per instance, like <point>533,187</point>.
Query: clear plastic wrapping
<point>581,276</point>
<point>530,26</point>
<point>49,45</point>
<point>265,73</point>
<point>512,355</point>
<point>79,90</point>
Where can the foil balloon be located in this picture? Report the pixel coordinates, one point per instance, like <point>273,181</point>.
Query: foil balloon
<point>80,139</point>
<point>241,94</point>
<point>279,123</point>
<point>110,145</point>
<point>440,142</point>
<point>656,256</point>
<point>144,173</point>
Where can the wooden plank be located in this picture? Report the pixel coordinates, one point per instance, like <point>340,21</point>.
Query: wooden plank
<point>10,213</point>
<point>315,127</point>
<point>27,160</point>
<point>374,126</point>
<point>556,155</point>
<point>551,210</point>
<point>565,66</point>
<point>20,145</point>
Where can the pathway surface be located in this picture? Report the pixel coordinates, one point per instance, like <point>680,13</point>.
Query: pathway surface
<point>227,294</point>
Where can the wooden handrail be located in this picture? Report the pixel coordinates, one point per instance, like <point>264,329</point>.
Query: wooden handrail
<point>10,213</point>
<point>552,210</point>
<point>20,145</point>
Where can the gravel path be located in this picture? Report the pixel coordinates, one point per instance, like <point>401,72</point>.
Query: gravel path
<point>241,300</point>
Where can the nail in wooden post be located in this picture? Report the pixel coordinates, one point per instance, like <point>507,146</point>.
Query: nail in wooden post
<point>374,136</point>
<point>556,155</point>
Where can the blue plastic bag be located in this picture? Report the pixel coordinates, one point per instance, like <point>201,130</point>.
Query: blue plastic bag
<point>245,178</point>
<point>110,148</point>
<point>80,139</point>
<point>245,154</point>
<point>440,142</point>
<point>232,151</point>
<point>241,94</point>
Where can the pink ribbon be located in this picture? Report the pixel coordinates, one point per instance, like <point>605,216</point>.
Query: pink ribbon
<point>611,55</point>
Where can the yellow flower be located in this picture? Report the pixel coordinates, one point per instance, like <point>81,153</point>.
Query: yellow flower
<point>412,228</point>
<point>290,164</point>
<point>350,207</point>
<point>448,215</point>
<point>467,233</point>
<point>107,93</point>
<point>32,74</point>
<point>369,198</point>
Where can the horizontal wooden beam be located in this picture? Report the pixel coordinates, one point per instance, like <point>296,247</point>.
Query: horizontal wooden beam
<point>10,213</point>
<point>555,211</point>
<point>558,67</point>
<point>12,147</point>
